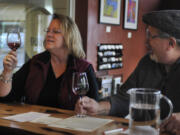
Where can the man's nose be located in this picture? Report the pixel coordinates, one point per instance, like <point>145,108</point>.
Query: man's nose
<point>148,46</point>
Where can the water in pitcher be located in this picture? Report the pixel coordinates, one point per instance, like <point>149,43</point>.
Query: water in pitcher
<point>144,119</point>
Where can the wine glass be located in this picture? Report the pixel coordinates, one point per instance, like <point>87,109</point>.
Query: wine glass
<point>13,39</point>
<point>80,86</point>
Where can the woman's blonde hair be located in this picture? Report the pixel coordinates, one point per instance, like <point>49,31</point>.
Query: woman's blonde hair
<point>71,34</point>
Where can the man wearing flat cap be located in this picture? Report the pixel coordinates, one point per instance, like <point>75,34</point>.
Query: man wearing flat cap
<point>159,69</point>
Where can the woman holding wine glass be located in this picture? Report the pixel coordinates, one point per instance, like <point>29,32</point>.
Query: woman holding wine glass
<point>46,79</point>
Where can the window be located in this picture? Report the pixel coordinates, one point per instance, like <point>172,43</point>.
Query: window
<point>31,17</point>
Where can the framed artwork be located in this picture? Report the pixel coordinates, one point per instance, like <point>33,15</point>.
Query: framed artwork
<point>110,12</point>
<point>131,14</point>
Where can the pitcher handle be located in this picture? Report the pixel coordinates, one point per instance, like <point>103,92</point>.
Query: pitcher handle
<point>170,106</point>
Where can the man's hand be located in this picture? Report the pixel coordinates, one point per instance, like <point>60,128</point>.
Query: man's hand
<point>90,107</point>
<point>87,106</point>
<point>172,125</point>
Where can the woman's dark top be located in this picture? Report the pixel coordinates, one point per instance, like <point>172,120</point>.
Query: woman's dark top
<point>50,90</point>
<point>49,94</point>
<point>36,81</point>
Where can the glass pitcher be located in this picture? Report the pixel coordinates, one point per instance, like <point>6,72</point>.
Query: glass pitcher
<point>144,111</point>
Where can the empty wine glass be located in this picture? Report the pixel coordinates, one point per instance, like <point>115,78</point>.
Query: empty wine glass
<point>13,39</point>
<point>80,86</point>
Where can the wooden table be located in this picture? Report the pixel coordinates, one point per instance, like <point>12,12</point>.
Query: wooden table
<point>8,127</point>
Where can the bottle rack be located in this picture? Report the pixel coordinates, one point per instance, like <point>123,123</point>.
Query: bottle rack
<point>109,56</point>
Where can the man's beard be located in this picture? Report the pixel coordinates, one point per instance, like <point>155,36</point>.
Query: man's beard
<point>153,57</point>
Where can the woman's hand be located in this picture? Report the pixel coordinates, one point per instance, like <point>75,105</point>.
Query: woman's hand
<point>10,62</point>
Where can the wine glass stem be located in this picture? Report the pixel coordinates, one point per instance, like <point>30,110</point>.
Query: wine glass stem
<point>80,98</point>
<point>81,102</point>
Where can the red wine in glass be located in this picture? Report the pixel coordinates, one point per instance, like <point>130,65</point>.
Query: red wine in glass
<point>14,45</point>
<point>13,39</point>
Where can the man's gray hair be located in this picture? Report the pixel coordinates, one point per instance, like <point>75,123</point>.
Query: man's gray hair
<point>166,35</point>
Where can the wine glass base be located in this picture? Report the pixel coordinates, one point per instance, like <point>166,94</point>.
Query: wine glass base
<point>80,115</point>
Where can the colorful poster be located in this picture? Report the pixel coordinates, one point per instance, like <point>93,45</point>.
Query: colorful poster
<point>110,8</point>
<point>131,15</point>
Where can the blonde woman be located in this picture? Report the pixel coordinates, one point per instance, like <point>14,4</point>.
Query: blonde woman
<point>46,79</point>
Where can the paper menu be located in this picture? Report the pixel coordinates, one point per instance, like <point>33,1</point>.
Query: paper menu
<point>25,117</point>
<point>87,123</point>
<point>46,120</point>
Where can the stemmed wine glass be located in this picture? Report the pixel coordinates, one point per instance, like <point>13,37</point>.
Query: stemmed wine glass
<point>13,39</point>
<point>80,86</point>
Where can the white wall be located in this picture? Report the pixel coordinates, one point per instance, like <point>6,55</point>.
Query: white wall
<point>10,12</point>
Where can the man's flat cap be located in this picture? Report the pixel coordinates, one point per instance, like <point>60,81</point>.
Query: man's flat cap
<point>165,20</point>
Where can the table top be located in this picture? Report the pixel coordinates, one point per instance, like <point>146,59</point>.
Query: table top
<point>29,128</point>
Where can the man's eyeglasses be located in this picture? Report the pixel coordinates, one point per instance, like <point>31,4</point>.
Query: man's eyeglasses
<point>149,35</point>
<point>162,35</point>
<point>54,31</point>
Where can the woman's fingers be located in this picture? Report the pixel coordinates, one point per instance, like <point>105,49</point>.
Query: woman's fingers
<point>10,61</point>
